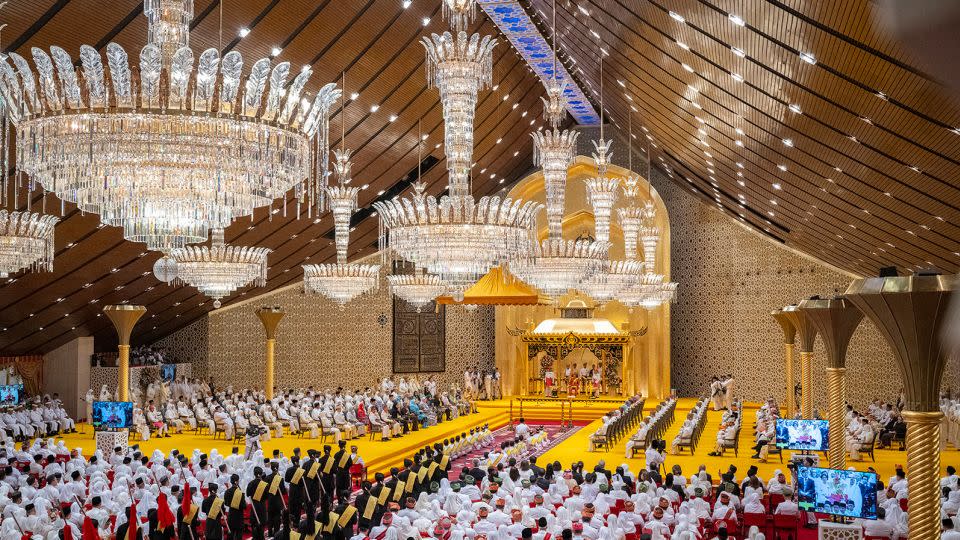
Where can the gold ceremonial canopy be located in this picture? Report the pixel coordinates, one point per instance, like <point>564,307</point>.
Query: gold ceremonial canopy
<point>497,289</point>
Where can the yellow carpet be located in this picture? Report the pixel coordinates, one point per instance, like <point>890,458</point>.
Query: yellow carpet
<point>380,456</point>
<point>575,449</point>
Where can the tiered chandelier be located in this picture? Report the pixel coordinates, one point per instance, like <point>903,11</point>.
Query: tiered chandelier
<point>219,270</point>
<point>558,265</point>
<point>167,150</point>
<point>341,281</point>
<point>602,193</point>
<point>458,238</point>
<point>26,241</point>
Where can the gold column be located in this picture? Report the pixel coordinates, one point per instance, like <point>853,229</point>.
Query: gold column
<point>790,379</point>
<point>836,319</point>
<point>923,478</point>
<point>789,335</point>
<point>270,318</point>
<point>911,313</point>
<point>807,334</point>
<point>836,396</point>
<point>124,317</point>
<point>806,384</point>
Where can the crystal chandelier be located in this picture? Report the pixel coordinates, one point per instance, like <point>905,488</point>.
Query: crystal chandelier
<point>341,281</point>
<point>555,104</point>
<point>219,270</point>
<point>26,241</point>
<point>558,265</point>
<point>417,289</point>
<point>165,149</point>
<point>457,237</point>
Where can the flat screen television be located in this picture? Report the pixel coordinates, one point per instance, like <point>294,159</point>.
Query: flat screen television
<point>168,372</point>
<point>808,435</point>
<point>10,395</point>
<point>844,493</point>
<point>109,415</point>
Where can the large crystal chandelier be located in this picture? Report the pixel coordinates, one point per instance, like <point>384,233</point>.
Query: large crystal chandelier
<point>166,149</point>
<point>558,265</point>
<point>219,270</point>
<point>26,241</point>
<point>457,237</point>
<point>417,289</point>
<point>341,281</point>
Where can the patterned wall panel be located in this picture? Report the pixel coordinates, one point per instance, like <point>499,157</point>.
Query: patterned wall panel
<point>730,280</point>
<point>320,345</point>
<point>189,344</point>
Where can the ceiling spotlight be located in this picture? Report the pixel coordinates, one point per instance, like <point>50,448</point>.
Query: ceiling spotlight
<point>406,3</point>
<point>683,45</point>
<point>788,142</point>
<point>374,108</point>
<point>426,21</point>
<point>735,19</point>
<point>738,52</point>
<point>244,32</point>
<point>794,108</point>
<point>677,17</point>
<point>738,142</point>
<point>808,58</point>
<point>354,96</point>
<point>782,167</point>
<point>275,51</point>
<point>393,118</point>
<point>737,77</point>
<point>686,67</point>
<point>777,186</point>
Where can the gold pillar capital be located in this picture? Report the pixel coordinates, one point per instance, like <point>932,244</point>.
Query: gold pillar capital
<point>836,319</point>
<point>270,318</point>
<point>124,317</point>
<point>911,313</point>
<point>805,329</point>
<point>789,331</point>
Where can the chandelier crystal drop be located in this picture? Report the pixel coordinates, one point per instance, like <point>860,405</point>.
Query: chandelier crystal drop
<point>459,13</point>
<point>219,270</point>
<point>341,281</point>
<point>555,104</point>
<point>553,151</point>
<point>456,237</point>
<point>417,289</point>
<point>180,144</point>
<point>602,191</point>
<point>26,242</point>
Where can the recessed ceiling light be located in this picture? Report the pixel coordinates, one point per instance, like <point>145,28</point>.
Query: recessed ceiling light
<point>696,105</point>
<point>686,67</point>
<point>426,21</point>
<point>354,96</point>
<point>738,52</point>
<point>782,167</point>
<point>621,83</point>
<point>738,130</point>
<point>794,108</point>
<point>393,118</point>
<point>677,17</point>
<point>777,186</point>
<point>737,77</point>
<point>407,3</point>
<point>244,32</point>
<point>275,51</point>
<point>808,58</point>
<point>738,142</point>
<point>788,142</point>
<point>736,19</point>
<point>683,45</point>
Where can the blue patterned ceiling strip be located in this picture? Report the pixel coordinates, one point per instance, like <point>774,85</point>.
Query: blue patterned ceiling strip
<point>514,22</point>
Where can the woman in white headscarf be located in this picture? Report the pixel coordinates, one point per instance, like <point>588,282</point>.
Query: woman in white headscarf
<point>952,504</point>
<point>752,505</point>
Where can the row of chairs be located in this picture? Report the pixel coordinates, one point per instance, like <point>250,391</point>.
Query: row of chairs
<point>616,429</point>
<point>733,443</point>
<point>659,427</point>
<point>700,411</point>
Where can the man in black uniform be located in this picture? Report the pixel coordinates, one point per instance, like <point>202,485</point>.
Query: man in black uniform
<point>327,480</point>
<point>212,506</point>
<point>123,530</point>
<point>257,491</point>
<point>236,504</point>
<point>407,479</point>
<point>312,478</point>
<point>297,487</point>
<point>346,517</point>
<point>187,525</point>
<point>275,492</point>
<point>341,467</point>
<point>365,503</point>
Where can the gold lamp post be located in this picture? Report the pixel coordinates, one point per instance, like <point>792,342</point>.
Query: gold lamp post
<point>807,334</point>
<point>835,319</point>
<point>911,312</point>
<point>270,317</point>
<point>124,317</point>
<point>789,336</point>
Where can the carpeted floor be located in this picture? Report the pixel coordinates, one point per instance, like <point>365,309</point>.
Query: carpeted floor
<point>575,449</point>
<point>555,436</point>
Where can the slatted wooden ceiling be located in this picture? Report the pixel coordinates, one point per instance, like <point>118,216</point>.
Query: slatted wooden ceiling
<point>375,41</point>
<point>862,173</point>
<point>869,180</point>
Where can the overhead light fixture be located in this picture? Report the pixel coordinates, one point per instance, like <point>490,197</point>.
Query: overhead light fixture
<point>794,108</point>
<point>26,241</point>
<point>735,19</point>
<point>808,58</point>
<point>738,52</point>
<point>677,17</point>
